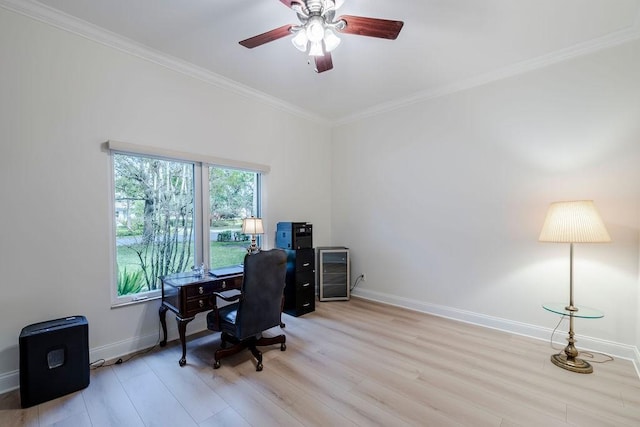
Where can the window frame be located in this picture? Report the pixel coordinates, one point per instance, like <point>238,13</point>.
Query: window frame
<point>201,165</point>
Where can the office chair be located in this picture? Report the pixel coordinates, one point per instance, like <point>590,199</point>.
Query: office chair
<point>255,309</point>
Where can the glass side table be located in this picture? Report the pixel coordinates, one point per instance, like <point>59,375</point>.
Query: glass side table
<point>569,360</point>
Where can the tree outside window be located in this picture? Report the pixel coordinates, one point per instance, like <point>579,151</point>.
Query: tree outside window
<point>157,224</point>
<point>233,196</point>
<point>154,202</point>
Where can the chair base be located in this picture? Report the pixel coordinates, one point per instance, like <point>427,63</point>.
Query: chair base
<point>251,343</point>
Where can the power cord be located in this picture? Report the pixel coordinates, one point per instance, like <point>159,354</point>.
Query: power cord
<point>591,355</point>
<point>559,350</point>
<point>356,282</point>
<point>102,363</point>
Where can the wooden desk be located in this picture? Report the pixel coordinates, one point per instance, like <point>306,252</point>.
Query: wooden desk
<point>187,295</point>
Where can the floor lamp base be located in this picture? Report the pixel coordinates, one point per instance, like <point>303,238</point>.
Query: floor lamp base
<point>573,364</point>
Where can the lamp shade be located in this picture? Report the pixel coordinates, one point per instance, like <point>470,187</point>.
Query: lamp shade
<point>574,222</point>
<point>315,29</point>
<point>252,226</point>
<point>316,49</point>
<point>300,41</point>
<point>331,41</point>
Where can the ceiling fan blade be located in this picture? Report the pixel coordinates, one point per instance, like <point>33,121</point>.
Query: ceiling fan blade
<point>324,63</point>
<point>290,3</point>
<point>267,37</point>
<point>372,27</point>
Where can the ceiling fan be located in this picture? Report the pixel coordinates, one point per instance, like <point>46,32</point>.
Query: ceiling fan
<point>315,34</point>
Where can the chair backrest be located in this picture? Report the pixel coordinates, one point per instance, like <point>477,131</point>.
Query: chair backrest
<point>262,289</point>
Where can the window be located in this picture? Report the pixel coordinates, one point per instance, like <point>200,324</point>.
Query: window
<point>172,214</point>
<point>154,207</point>
<point>233,195</point>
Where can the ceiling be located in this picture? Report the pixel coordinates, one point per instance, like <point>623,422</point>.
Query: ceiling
<point>445,45</point>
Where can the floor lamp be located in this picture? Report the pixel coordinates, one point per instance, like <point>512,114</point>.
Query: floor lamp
<point>573,222</point>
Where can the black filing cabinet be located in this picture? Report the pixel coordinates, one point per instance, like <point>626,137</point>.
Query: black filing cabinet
<point>300,288</point>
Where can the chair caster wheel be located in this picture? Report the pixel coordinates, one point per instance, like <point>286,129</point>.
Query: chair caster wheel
<point>259,367</point>
<point>283,347</point>
<point>216,364</point>
<point>182,362</point>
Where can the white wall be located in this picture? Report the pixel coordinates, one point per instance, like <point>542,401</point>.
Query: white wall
<point>61,98</point>
<point>442,202</point>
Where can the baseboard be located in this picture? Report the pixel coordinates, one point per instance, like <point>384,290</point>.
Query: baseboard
<point>619,350</point>
<point>11,380</point>
<point>133,344</point>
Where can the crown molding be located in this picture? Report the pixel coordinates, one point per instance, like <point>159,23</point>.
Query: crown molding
<point>61,20</point>
<point>613,39</point>
<point>66,22</point>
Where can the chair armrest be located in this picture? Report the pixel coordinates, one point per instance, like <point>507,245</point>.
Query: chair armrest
<point>213,299</point>
<point>235,297</point>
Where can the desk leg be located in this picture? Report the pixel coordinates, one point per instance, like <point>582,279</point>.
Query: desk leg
<point>162,312</point>
<point>182,330</point>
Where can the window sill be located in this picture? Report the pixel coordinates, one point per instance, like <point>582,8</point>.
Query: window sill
<point>124,302</point>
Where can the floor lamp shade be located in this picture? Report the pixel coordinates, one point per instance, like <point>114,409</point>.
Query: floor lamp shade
<point>574,222</point>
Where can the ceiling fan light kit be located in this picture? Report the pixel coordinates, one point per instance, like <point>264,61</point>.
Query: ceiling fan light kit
<point>316,33</point>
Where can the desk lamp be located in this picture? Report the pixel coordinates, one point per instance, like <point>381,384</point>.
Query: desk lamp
<point>573,222</point>
<point>252,226</point>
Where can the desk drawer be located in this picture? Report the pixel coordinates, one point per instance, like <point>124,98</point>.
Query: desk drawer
<point>205,289</point>
<point>198,305</point>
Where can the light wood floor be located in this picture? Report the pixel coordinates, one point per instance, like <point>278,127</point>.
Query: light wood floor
<point>352,363</point>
